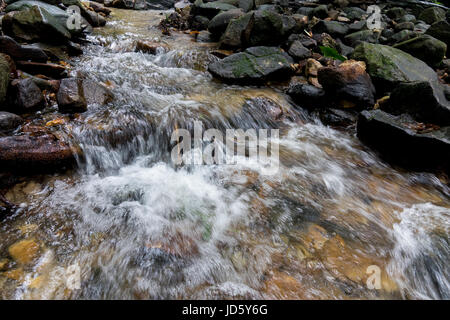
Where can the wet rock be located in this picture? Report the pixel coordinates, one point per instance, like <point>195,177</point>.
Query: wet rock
<point>432,15</point>
<point>269,28</point>
<point>254,64</point>
<point>246,5</point>
<point>34,24</point>
<point>94,19</point>
<point>24,251</point>
<point>389,66</point>
<point>404,141</point>
<point>425,100</point>
<point>9,121</point>
<point>28,96</point>
<point>349,81</point>
<point>407,18</point>
<point>50,70</point>
<point>71,97</point>
<point>4,77</point>
<point>298,51</point>
<point>151,47</point>
<point>21,52</point>
<point>357,26</point>
<point>421,27</point>
<point>338,117</point>
<point>355,38</point>
<point>402,36</point>
<point>303,39</point>
<point>34,153</point>
<point>354,13</point>
<point>320,11</point>
<point>404,26</point>
<point>395,13</point>
<point>441,31</point>
<point>204,36</point>
<point>200,23</point>
<point>236,31</point>
<point>211,9</point>
<point>333,28</point>
<point>98,7</point>
<point>219,23</point>
<point>307,95</point>
<point>96,93</point>
<point>425,48</point>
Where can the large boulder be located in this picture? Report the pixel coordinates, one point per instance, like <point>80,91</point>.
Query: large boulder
<point>441,30</point>
<point>34,24</point>
<point>390,66</point>
<point>348,82</point>
<point>34,152</point>
<point>425,100</point>
<point>70,96</point>
<point>425,48</point>
<point>255,64</point>
<point>21,52</point>
<point>404,141</point>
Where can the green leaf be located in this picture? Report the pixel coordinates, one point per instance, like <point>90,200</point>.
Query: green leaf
<point>331,53</point>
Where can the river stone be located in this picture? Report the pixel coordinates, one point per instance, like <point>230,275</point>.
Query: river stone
<point>219,23</point>
<point>236,31</point>
<point>320,11</point>
<point>51,70</point>
<point>354,13</point>
<point>395,13</point>
<point>298,51</point>
<point>403,141</point>
<point>355,38</point>
<point>28,95</point>
<point>34,24</point>
<point>211,9</point>
<point>71,97</point>
<point>402,36</point>
<point>9,121</point>
<point>404,26</point>
<point>425,100</point>
<point>350,82</point>
<point>30,152</point>
<point>4,77</point>
<point>255,64</point>
<point>441,30</point>
<point>333,28</point>
<point>390,66</point>
<point>432,15</point>
<point>425,48</point>
<point>407,18</point>
<point>307,95</point>
<point>21,52</point>
<point>269,28</point>
<point>246,5</point>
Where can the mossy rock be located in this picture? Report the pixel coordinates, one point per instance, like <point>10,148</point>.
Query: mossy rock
<point>425,48</point>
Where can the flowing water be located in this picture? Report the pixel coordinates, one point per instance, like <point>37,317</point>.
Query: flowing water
<point>140,227</point>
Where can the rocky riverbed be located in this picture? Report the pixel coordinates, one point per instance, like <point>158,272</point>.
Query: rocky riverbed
<point>86,113</point>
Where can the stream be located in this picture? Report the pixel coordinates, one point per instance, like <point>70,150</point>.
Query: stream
<point>140,227</point>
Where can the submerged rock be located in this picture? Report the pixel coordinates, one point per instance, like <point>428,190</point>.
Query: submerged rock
<point>404,141</point>
<point>254,64</point>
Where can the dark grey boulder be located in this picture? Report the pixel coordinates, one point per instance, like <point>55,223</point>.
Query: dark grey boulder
<point>29,96</point>
<point>441,30</point>
<point>334,28</point>
<point>254,65</point>
<point>21,52</point>
<point>298,51</point>
<point>432,15</point>
<point>405,142</point>
<point>425,48</point>
<point>219,23</point>
<point>307,95</point>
